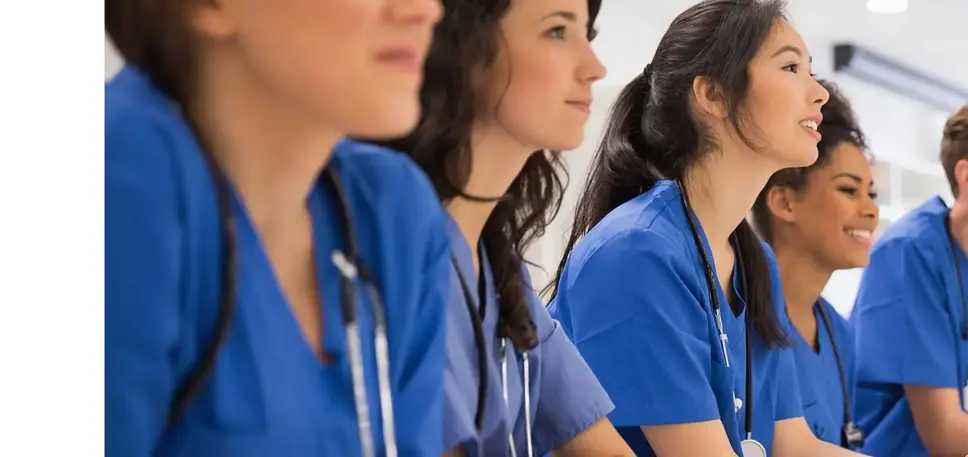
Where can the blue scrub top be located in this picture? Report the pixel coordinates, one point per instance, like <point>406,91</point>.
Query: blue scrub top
<point>633,297</point>
<point>268,393</point>
<point>820,386</point>
<point>565,396</point>
<point>908,318</point>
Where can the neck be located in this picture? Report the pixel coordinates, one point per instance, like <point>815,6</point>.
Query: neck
<point>803,281</point>
<point>271,151</point>
<point>722,189</point>
<point>495,163</point>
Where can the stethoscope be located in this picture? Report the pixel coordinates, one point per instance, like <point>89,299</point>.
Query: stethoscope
<point>749,446</point>
<point>482,366</point>
<point>351,269</point>
<point>851,436</point>
<point>961,284</point>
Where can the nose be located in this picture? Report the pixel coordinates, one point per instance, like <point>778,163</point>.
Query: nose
<point>592,68</point>
<point>869,208</point>
<point>819,93</point>
<point>416,11</point>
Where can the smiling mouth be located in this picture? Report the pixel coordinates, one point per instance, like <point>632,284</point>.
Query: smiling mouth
<point>861,235</point>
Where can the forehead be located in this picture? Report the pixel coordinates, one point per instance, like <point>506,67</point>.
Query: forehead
<point>536,10</point>
<point>782,34</point>
<point>846,158</point>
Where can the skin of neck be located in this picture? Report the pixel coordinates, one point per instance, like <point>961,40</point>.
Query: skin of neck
<point>271,150</point>
<point>496,160</point>
<point>722,188</point>
<point>804,278</point>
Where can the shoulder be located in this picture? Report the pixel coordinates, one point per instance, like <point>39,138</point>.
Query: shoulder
<point>147,141</point>
<point>920,232</point>
<point>389,182</point>
<point>651,228</point>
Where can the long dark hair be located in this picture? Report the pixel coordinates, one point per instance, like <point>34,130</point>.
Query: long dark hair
<point>839,126</point>
<point>465,45</point>
<point>652,134</point>
<point>154,36</point>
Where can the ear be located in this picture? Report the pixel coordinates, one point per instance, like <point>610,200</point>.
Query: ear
<point>781,203</point>
<point>709,97</point>
<point>210,18</point>
<point>961,177</point>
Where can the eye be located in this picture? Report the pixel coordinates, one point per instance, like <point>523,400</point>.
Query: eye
<point>848,190</point>
<point>557,33</point>
<point>873,195</point>
<point>592,33</point>
<point>792,68</point>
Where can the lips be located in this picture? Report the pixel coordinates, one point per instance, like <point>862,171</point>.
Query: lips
<point>862,236</point>
<point>408,59</point>
<point>584,106</point>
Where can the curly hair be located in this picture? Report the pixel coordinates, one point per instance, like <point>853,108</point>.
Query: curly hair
<point>652,134</point>
<point>954,145</point>
<point>465,46</point>
<point>839,126</point>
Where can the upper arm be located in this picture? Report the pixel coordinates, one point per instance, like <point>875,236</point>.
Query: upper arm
<point>420,388</point>
<point>599,440</point>
<point>902,329</point>
<point>643,332</point>
<point>938,418</point>
<point>707,438</point>
<point>793,438</point>
<point>141,271</point>
<point>571,398</point>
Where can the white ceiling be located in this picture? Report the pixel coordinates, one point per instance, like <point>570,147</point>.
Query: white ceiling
<point>929,36</point>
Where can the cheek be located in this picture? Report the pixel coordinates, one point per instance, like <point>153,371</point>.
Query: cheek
<point>533,106</point>
<point>320,55</point>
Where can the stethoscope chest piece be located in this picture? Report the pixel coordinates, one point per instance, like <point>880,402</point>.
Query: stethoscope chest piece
<point>752,448</point>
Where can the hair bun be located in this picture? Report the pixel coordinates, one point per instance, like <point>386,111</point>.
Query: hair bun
<point>956,129</point>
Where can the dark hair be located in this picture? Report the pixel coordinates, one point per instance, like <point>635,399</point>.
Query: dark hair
<point>839,126</point>
<point>154,36</point>
<point>954,145</point>
<point>466,43</point>
<point>652,133</point>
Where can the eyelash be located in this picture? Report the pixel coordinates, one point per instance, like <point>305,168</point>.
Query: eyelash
<point>557,32</point>
<point>794,67</point>
<point>852,192</point>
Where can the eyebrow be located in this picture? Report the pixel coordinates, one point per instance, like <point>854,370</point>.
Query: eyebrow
<point>790,48</point>
<point>852,176</point>
<point>567,15</point>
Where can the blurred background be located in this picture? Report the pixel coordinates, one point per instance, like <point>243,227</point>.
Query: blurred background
<point>902,96</point>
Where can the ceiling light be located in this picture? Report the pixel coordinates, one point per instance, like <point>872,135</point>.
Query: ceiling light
<point>887,6</point>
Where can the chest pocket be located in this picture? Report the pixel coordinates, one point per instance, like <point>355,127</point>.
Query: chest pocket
<point>723,380</point>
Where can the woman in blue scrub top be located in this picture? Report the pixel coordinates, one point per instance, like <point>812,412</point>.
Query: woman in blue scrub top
<point>910,323</point>
<point>257,268</point>
<point>508,82</point>
<point>663,278</point>
<point>820,219</point>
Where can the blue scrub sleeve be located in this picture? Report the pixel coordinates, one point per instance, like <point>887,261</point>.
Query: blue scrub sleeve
<point>141,268</point>
<point>419,401</point>
<point>642,330</point>
<point>901,324</point>
<point>571,398</point>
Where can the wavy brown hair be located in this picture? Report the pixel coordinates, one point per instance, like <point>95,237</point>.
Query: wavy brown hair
<point>652,134</point>
<point>465,46</point>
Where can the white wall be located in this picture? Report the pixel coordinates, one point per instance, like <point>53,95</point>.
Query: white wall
<point>904,138</point>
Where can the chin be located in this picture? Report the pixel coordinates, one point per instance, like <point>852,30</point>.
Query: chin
<point>852,260</point>
<point>565,143</point>
<point>391,121</point>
